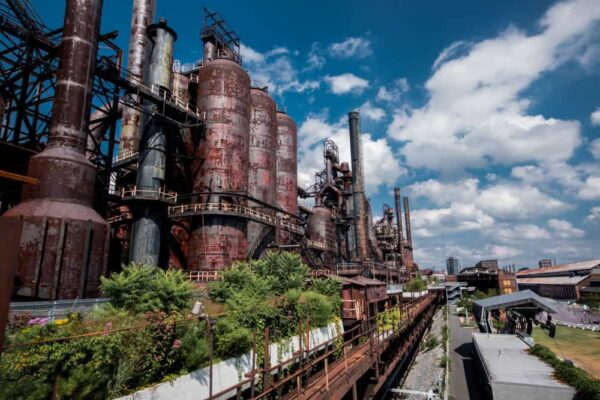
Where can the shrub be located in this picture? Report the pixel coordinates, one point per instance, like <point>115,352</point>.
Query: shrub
<point>284,269</point>
<point>416,285</point>
<point>142,288</point>
<point>431,342</point>
<point>231,339</point>
<point>315,307</point>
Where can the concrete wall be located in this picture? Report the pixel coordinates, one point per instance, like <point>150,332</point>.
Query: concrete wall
<point>513,391</point>
<point>230,372</point>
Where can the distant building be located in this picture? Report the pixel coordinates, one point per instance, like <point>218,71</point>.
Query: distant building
<point>488,264</point>
<point>564,281</point>
<point>546,262</point>
<point>452,266</point>
<point>486,278</point>
<point>426,272</point>
<point>590,294</point>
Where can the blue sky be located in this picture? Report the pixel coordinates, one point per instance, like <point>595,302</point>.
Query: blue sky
<point>481,111</point>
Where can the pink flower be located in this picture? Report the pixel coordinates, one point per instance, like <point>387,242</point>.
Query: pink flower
<point>177,344</point>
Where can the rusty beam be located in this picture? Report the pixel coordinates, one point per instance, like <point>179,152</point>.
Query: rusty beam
<point>18,177</point>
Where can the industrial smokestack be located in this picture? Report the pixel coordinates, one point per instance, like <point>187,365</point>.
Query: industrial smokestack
<point>141,18</point>
<point>407,220</point>
<point>358,186</point>
<point>397,199</point>
<point>149,218</point>
<point>58,208</point>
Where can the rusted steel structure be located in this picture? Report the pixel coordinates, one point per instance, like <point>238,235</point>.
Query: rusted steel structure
<point>287,163</point>
<point>224,95</point>
<point>399,229</point>
<point>262,162</point>
<point>149,209</point>
<point>209,135</point>
<point>141,18</point>
<point>63,240</point>
<point>358,188</point>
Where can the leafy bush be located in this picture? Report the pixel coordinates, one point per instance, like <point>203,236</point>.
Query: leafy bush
<point>587,387</point>
<point>284,269</point>
<point>416,285</point>
<point>142,288</point>
<point>388,319</point>
<point>315,307</point>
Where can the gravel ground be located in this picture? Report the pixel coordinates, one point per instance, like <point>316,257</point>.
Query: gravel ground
<point>426,370</point>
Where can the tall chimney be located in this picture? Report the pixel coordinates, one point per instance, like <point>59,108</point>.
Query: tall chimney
<point>358,186</point>
<point>407,220</point>
<point>141,18</point>
<point>149,216</point>
<point>59,207</point>
<point>397,199</point>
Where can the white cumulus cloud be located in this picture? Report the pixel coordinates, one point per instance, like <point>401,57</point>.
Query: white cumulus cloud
<point>352,47</point>
<point>346,83</point>
<point>564,229</point>
<point>595,117</point>
<point>476,115</point>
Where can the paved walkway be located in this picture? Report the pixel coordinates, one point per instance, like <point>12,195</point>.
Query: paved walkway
<point>463,373</point>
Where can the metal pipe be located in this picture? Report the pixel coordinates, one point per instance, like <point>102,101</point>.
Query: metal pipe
<point>65,192</point>
<point>141,18</point>
<point>358,186</point>
<point>149,218</point>
<point>407,220</point>
<point>397,199</point>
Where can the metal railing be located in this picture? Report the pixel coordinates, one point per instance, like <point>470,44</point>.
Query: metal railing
<point>125,155</point>
<point>118,218</point>
<point>203,276</point>
<point>159,92</point>
<point>234,209</point>
<point>150,194</point>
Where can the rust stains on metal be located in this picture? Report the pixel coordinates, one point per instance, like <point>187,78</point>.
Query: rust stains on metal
<point>141,18</point>
<point>358,187</point>
<point>262,154</point>
<point>287,164</point>
<point>63,240</point>
<point>224,96</point>
<point>150,217</point>
<point>397,199</point>
<point>287,168</point>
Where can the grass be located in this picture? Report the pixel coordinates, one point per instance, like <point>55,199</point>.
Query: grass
<point>578,345</point>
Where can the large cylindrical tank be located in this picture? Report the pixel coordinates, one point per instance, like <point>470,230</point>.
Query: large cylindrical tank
<point>320,226</point>
<point>287,165</point>
<point>141,17</point>
<point>63,240</point>
<point>263,143</point>
<point>224,95</point>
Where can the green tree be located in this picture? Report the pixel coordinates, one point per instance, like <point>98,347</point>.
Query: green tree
<point>142,288</point>
<point>416,285</point>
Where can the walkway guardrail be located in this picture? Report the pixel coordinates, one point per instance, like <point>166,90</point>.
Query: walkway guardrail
<point>233,209</point>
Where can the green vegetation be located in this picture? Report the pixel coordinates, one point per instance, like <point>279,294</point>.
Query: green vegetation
<point>272,292</point>
<point>416,285</point>
<point>430,342</point>
<point>145,335</point>
<point>141,288</point>
<point>444,361</point>
<point>388,319</point>
<point>142,338</point>
<point>581,346</point>
<point>587,388</point>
